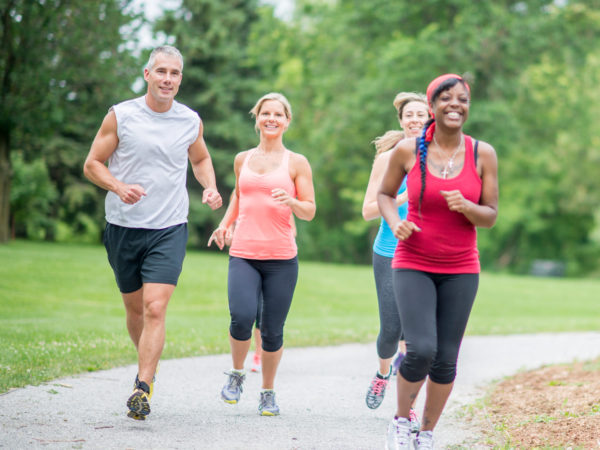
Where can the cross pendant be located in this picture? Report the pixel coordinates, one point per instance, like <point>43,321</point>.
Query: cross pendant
<point>445,172</point>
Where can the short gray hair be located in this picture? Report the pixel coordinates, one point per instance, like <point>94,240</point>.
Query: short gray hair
<point>167,50</point>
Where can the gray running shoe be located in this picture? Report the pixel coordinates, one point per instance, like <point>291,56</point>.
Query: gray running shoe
<point>267,405</point>
<point>424,440</point>
<point>376,391</point>
<point>398,435</point>
<point>233,388</point>
<point>415,423</point>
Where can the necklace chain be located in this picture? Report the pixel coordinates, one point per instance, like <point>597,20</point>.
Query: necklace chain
<point>449,166</point>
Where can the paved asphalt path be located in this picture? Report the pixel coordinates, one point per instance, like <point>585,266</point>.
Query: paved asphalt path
<point>320,392</point>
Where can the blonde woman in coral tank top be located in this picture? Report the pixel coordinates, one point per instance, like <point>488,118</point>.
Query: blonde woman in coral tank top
<point>272,183</point>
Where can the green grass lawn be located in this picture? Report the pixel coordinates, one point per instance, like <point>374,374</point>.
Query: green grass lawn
<point>61,312</point>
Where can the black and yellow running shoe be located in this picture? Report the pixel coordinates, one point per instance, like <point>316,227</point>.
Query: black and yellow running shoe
<point>139,401</point>
<point>137,380</point>
<point>149,394</point>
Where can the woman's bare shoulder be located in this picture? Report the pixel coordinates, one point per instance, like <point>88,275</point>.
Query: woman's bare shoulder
<point>298,159</point>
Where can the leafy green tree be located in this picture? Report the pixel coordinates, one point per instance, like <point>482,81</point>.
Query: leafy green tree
<point>221,82</point>
<point>532,65</point>
<point>32,197</point>
<point>554,190</point>
<point>351,57</point>
<point>62,64</point>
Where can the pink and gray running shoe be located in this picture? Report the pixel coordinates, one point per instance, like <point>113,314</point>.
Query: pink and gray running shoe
<point>376,391</point>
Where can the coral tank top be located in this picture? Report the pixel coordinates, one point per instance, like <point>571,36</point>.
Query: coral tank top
<point>263,229</point>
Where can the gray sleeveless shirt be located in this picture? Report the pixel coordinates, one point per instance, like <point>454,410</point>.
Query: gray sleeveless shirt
<point>152,152</point>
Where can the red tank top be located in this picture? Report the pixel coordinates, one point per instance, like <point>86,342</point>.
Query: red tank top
<point>447,242</point>
<point>263,229</point>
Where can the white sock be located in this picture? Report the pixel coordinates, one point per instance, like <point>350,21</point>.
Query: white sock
<point>385,376</point>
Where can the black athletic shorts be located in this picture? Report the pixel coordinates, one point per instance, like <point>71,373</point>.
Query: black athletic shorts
<point>140,255</point>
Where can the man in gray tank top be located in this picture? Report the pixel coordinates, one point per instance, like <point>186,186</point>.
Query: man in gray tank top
<point>147,143</point>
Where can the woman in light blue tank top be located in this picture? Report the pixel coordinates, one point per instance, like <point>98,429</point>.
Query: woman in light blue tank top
<point>385,241</point>
<point>412,113</point>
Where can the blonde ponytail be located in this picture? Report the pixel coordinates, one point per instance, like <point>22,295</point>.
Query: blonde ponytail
<point>387,141</point>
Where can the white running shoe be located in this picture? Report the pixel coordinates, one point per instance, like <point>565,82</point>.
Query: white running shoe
<point>424,440</point>
<point>267,405</point>
<point>233,388</point>
<point>398,435</point>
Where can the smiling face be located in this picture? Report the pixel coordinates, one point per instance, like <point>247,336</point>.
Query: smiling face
<point>451,106</point>
<point>271,120</point>
<point>163,81</point>
<point>414,116</point>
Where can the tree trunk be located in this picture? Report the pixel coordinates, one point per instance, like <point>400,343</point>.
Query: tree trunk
<point>5,177</point>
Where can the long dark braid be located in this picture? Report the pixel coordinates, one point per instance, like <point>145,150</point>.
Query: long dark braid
<point>423,146</point>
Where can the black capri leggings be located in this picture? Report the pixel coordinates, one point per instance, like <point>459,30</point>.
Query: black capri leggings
<point>277,281</point>
<point>434,310</point>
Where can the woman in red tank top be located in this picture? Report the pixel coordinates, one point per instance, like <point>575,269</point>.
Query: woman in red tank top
<point>452,184</point>
<point>272,185</point>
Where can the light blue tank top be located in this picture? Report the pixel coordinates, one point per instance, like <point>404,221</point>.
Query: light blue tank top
<point>385,241</point>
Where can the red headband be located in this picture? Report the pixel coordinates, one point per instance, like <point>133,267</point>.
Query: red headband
<point>431,89</point>
<point>439,80</point>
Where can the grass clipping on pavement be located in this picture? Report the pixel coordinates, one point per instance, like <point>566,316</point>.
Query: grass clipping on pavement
<point>555,406</point>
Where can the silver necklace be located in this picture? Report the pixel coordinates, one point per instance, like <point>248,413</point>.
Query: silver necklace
<point>449,166</point>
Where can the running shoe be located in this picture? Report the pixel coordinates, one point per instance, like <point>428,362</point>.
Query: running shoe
<point>255,363</point>
<point>398,434</point>
<point>135,416</point>
<point>132,414</point>
<point>267,405</point>
<point>415,423</point>
<point>376,391</point>
<point>233,388</point>
<point>396,362</point>
<point>139,402</point>
<point>424,440</point>
<point>137,380</point>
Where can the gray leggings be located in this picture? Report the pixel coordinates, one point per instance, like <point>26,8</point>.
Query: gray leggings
<point>247,278</point>
<point>434,309</point>
<point>390,328</point>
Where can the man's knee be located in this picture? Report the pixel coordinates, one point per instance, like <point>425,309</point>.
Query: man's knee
<point>155,310</point>
<point>156,298</point>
